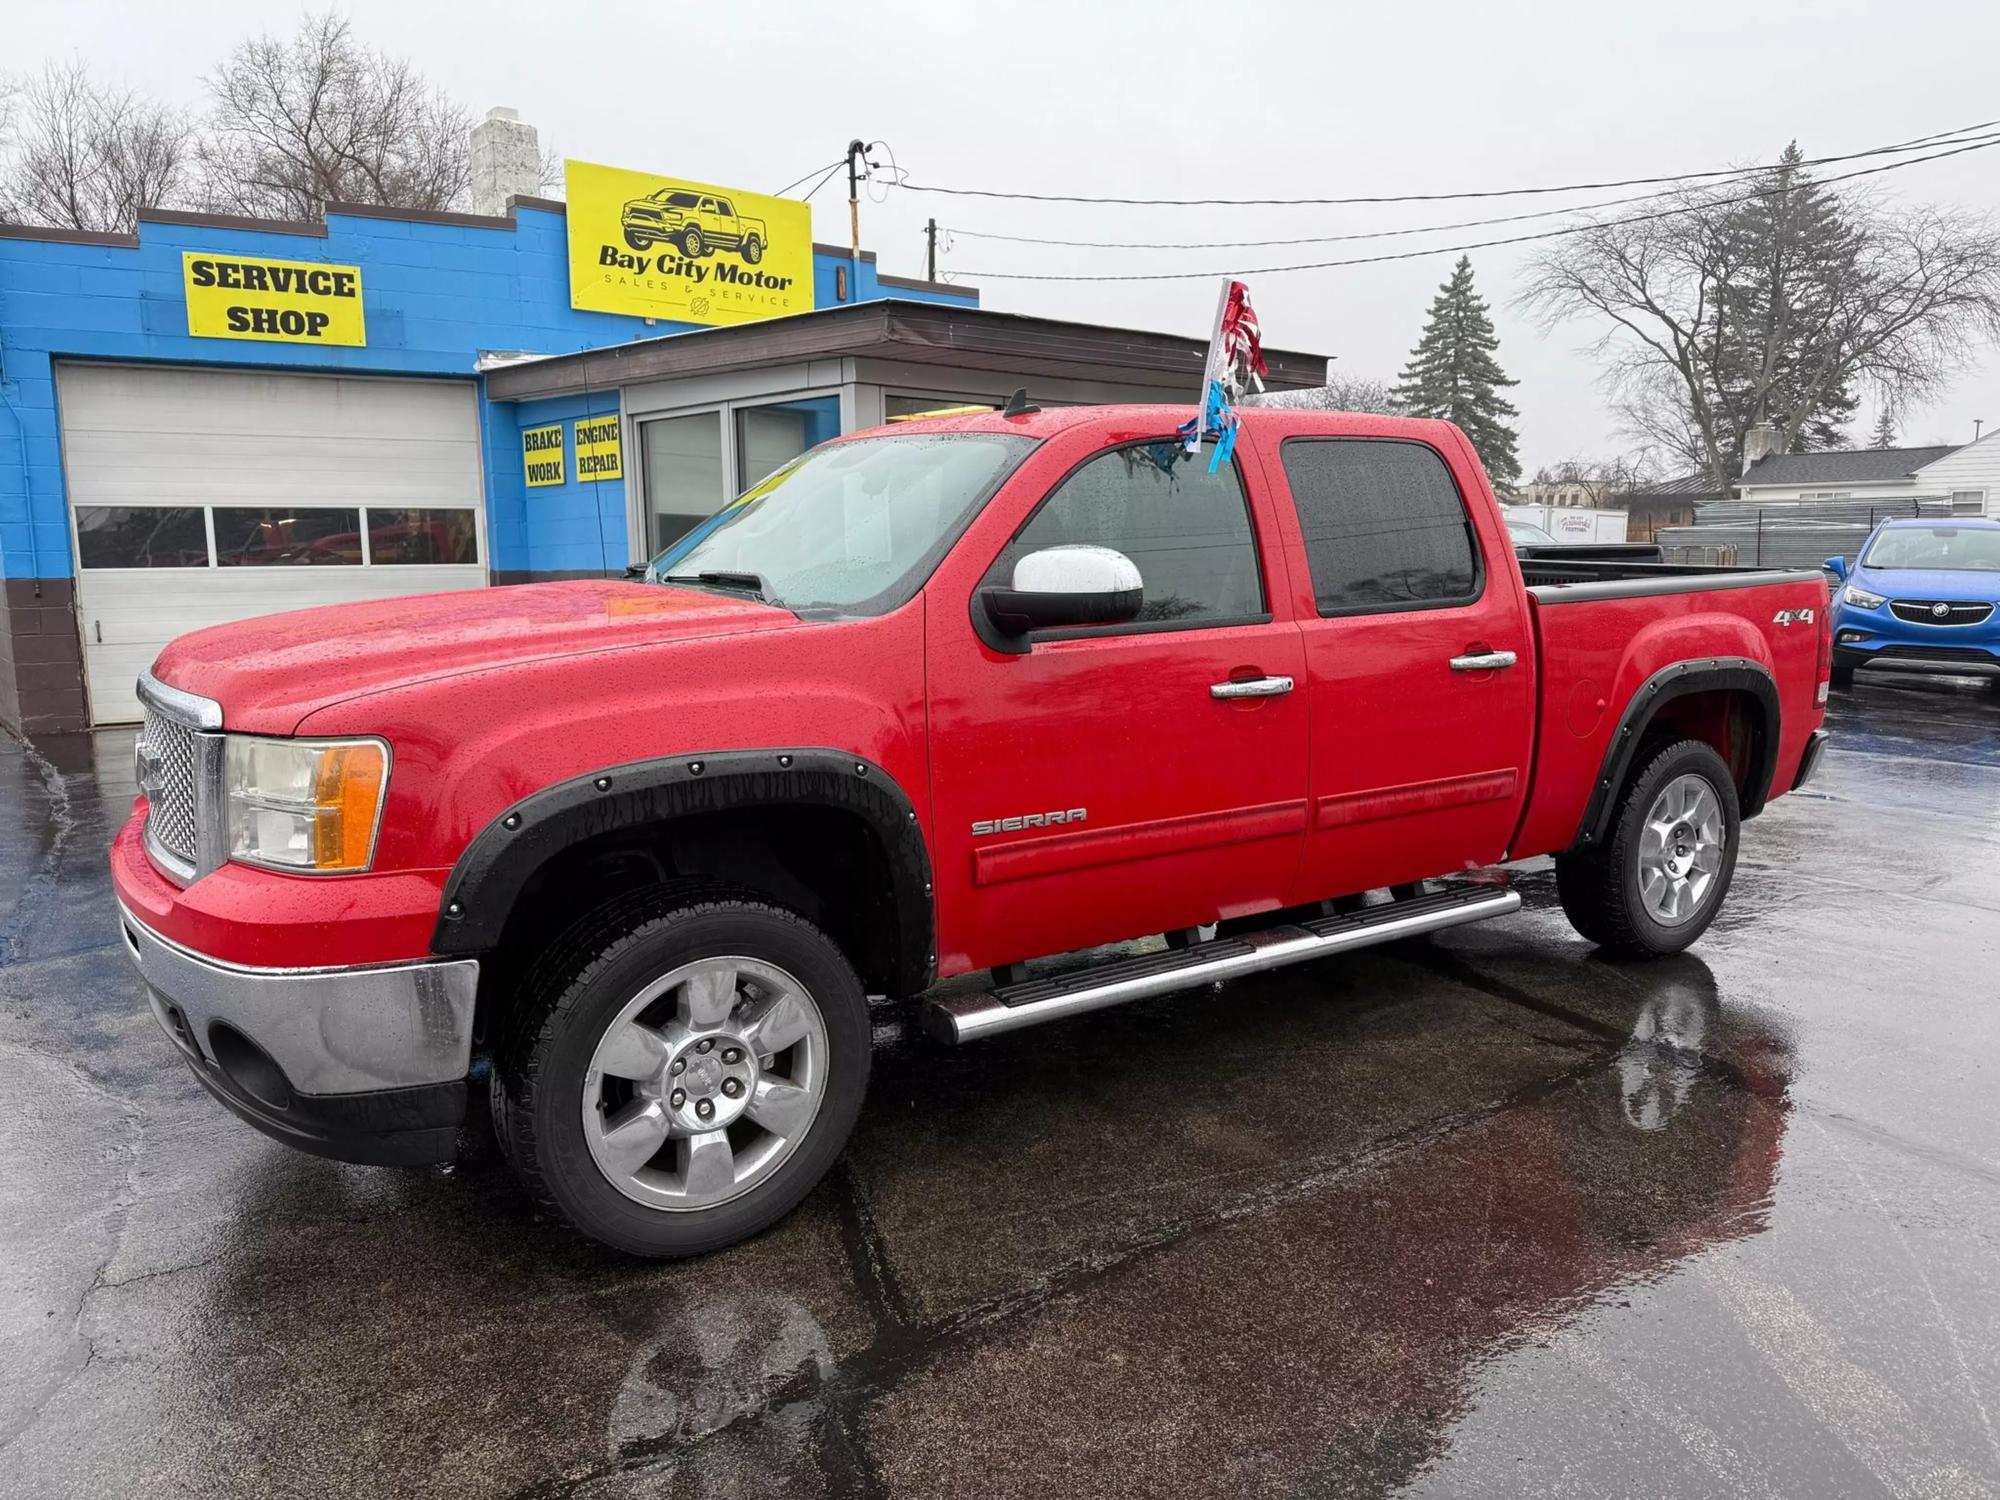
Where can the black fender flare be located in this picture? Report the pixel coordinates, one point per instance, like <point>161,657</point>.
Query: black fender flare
<point>490,874</point>
<point>1678,680</point>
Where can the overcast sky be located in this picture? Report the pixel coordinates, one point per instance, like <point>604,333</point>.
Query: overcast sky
<point>1152,100</point>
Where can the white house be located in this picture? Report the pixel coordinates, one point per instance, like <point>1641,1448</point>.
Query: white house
<point>1968,476</point>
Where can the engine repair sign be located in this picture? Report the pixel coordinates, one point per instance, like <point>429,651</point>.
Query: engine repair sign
<point>277,301</point>
<point>684,252</point>
<point>598,452</point>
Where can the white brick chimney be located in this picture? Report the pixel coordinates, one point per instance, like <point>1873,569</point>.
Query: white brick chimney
<point>506,162</point>
<point>1760,442</point>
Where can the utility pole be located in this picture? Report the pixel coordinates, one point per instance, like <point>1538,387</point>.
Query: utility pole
<point>930,249</point>
<point>857,152</point>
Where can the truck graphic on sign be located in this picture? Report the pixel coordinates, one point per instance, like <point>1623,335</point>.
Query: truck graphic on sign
<point>697,224</point>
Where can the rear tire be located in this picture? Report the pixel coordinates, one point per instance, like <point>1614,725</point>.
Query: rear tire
<point>656,1007</point>
<point>1660,877</point>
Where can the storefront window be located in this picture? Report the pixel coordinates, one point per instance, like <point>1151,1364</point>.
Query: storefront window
<point>769,437</point>
<point>682,457</point>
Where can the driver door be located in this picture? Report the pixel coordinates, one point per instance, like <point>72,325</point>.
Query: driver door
<point>1106,782</point>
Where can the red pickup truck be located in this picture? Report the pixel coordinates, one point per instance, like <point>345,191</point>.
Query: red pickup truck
<point>922,708</point>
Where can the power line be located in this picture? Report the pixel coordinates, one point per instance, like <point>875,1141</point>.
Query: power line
<point>1919,143</point>
<point>1317,239</point>
<point>1981,144</point>
<point>1743,174</point>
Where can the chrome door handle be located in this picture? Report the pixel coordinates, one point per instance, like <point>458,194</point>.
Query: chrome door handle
<point>1485,661</point>
<point>1253,687</point>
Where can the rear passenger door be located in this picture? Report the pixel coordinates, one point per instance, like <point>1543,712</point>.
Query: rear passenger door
<point>1421,740</point>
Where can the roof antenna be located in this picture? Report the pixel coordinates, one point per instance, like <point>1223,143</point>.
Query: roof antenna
<point>1018,405</point>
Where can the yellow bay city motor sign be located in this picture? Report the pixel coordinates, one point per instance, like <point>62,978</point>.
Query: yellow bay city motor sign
<point>278,301</point>
<point>685,252</point>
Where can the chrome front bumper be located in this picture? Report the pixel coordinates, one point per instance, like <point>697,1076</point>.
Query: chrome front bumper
<point>330,1031</point>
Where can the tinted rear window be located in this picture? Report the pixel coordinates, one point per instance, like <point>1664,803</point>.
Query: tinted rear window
<point>1384,525</point>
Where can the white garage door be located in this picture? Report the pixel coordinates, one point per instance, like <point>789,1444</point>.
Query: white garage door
<point>204,496</point>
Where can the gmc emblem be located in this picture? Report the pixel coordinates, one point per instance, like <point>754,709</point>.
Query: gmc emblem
<point>1027,820</point>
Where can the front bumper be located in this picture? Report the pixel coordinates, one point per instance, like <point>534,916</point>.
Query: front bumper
<point>1876,638</point>
<point>363,1064</point>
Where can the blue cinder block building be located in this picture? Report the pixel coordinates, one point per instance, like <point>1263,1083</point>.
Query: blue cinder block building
<point>155,478</point>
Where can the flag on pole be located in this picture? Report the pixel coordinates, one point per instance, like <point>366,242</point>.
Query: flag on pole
<point>1235,361</point>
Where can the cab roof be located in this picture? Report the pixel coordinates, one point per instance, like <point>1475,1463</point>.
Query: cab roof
<point>1133,421</point>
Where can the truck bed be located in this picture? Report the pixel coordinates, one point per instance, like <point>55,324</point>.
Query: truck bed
<point>1618,578</point>
<point>1603,629</point>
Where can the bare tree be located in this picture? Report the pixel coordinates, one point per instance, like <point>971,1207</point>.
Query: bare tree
<point>80,155</point>
<point>1689,315</point>
<point>1340,393</point>
<point>297,124</point>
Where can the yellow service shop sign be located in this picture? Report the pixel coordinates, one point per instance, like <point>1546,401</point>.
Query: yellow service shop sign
<point>598,452</point>
<point>658,247</point>
<point>542,455</point>
<point>278,301</point>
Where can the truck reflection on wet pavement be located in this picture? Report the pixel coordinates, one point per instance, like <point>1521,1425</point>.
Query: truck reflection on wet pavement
<point>1481,1214</point>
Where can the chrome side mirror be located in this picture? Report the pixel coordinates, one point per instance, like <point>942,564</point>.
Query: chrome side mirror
<point>1076,584</point>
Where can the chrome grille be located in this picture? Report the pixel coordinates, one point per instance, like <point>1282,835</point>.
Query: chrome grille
<point>168,751</point>
<point>179,766</point>
<point>1925,611</point>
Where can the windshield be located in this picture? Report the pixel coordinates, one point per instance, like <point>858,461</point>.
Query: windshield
<point>853,528</point>
<point>1946,549</point>
<point>1528,531</point>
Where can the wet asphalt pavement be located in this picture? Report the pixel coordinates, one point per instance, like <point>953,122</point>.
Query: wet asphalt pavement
<point>1476,1215</point>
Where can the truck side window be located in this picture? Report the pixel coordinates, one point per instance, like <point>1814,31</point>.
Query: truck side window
<point>1385,526</point>
<point>1188,531</point>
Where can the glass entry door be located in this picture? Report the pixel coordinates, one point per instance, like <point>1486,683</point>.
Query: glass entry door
<point>684,467</point>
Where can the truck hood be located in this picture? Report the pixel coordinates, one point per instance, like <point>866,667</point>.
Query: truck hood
<point>270,672</point>
<point>1929,583</point>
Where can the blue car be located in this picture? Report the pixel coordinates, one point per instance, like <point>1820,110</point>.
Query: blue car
<point>1922,596</point>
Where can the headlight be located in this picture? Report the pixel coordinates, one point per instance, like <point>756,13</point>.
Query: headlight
<point>308,805</point>
<point>1861,598</point>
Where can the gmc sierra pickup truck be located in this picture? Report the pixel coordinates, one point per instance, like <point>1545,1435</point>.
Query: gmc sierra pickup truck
<point>924,707</point>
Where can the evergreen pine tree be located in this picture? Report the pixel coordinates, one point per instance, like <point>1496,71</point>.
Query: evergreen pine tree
<point>1452,374</point>
<point>1885,431</point>
<point>1790,249</point>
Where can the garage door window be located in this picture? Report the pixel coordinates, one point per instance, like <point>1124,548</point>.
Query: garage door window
<point>422,537</point>
<point>290,536</point>
<point>141,536</point>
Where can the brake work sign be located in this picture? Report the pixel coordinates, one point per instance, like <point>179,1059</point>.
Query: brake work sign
<point>278,301</point>
<point>686,252</point>
<point>542,455</point>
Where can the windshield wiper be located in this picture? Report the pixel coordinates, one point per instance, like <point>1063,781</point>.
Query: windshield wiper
<point>742,583</point>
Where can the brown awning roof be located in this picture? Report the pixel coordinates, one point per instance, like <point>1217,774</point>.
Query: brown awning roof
<point>912,332</point>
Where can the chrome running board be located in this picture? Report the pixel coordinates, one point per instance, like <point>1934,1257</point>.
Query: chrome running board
<point>968,1017</point>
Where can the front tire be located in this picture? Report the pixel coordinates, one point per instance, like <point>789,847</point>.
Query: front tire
<point>692,244</point>
<point>1842,679</point>
<point>1660,877</point>
<point>679,1074</point>
<point>637,240</point>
